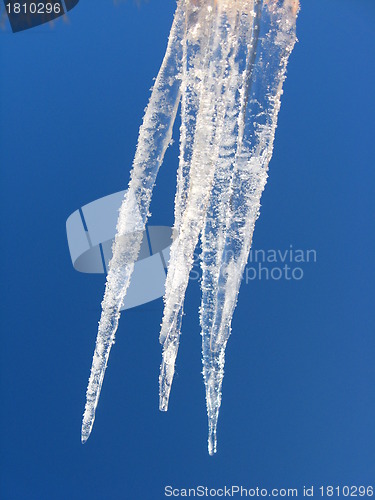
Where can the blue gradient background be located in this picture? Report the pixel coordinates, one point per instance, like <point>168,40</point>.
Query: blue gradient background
<point>299,391</point>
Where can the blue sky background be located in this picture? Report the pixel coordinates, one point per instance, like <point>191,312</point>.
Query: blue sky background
<point>299,390</point>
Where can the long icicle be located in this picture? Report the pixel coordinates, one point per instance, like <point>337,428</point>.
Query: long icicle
<point>201,177</point>
<point>154,137</point>
<point>213,236</point>
<point>173,304</point>
<point>195,43</point>
<point>276,42</point>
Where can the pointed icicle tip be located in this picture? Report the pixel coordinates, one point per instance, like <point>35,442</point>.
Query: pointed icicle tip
<point>212,444</point>
<point>84,436</point>
<point>163,403</point>
<point>85,433</point>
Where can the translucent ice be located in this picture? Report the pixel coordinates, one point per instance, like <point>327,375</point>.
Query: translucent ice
<point>226,61</point>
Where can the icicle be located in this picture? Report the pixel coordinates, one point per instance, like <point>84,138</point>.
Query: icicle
<point>276,41</point>
<point>154,137</point>
<point>213,237</point>
<point>205,151</point>
<point>194,44</point>
<point>228,59</point>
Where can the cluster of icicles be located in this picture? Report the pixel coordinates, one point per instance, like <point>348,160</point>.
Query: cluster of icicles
<point>224,66</point>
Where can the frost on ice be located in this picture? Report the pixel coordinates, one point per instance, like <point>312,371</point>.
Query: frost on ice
<point>225,65</point>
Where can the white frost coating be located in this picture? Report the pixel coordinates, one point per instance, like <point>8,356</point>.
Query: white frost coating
<point>227,59</point>
<point>154,137</point>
